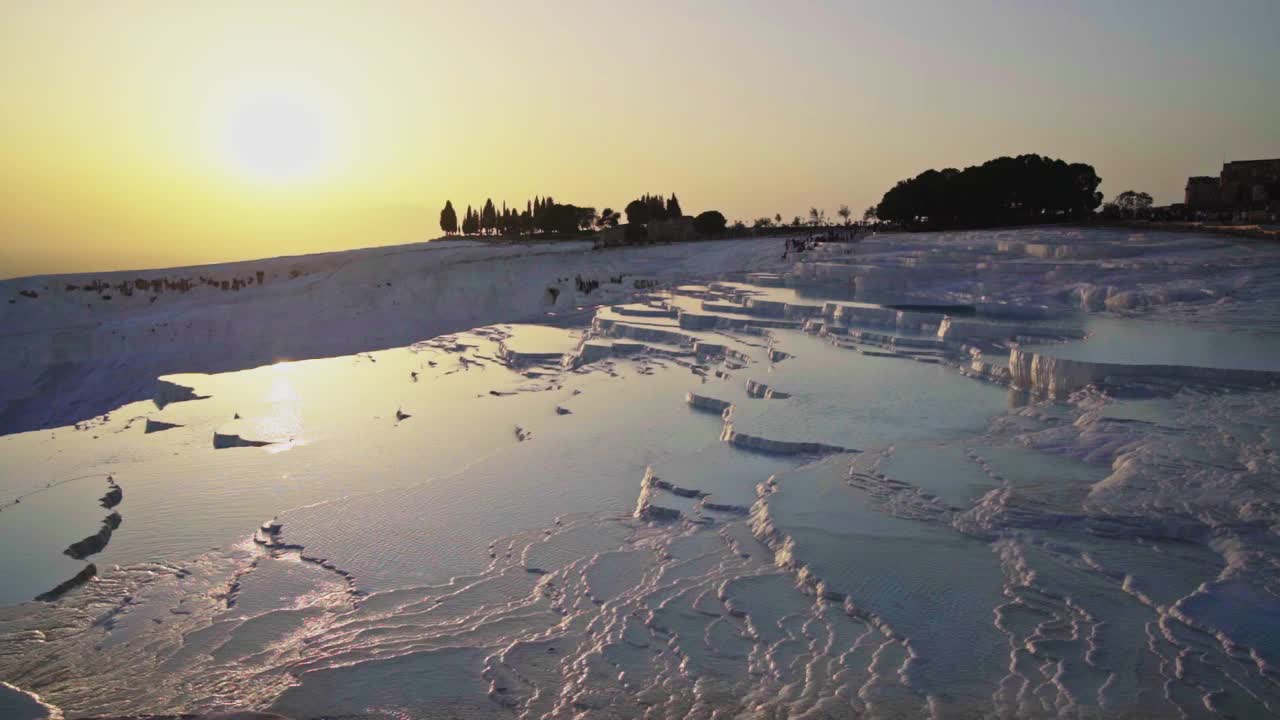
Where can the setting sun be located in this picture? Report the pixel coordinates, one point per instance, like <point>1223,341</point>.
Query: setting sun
<point>276,138</point>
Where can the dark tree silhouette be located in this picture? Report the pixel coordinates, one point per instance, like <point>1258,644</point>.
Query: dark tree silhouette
<point>488,217</point>
<point>649,208</point>
<point>1003,191</point>
<point>637,212</point>
<point>673,207</point>
<point>541,214</point>
<point>657,207</point>
<point>844,212</point>
<point>448,219</point>
<point>709,223</point>
<point>1133,204</point>
<point>562,218</point>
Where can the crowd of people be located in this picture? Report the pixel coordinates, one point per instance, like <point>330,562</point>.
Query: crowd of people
<point>801,244</point>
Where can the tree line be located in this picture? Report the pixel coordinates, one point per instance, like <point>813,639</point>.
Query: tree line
<point>1003,191</point>
<point>649,208</point>
<point>546,216</point>
<point>543,215</point>
<point>540,214</point>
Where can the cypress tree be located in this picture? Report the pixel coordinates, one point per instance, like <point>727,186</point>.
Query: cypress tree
<point>448,219</point>
<point>673,207</point>
<point>488,216</point>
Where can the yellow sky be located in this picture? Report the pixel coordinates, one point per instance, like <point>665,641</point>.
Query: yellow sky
<point>124,144</point>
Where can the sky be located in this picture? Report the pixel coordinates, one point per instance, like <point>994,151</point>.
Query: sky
<point>143,133</point>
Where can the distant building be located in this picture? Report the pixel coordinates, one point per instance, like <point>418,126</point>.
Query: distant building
<point>1170,213</point>
<point>1243,188</point>
<point>1203,193</point>
<point>1251,183</point>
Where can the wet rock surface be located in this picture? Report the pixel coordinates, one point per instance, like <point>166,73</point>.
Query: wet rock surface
<point>222,441</point>
<point>95,543</point>
<point>153,426</point>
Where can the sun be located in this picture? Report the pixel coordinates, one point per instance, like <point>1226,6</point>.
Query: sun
<point>276,139</point>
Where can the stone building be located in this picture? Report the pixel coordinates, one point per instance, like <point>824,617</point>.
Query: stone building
<point>1242,186</point>
<point>1251,183</point>
<point>1203,192</point>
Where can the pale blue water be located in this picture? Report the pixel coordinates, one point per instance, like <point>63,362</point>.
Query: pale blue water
<point>1148,342</point>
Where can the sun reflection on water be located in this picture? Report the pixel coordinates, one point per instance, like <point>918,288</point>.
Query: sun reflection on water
<point>283,421</point>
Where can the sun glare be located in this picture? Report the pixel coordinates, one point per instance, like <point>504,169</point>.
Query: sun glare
<point>276,139</point>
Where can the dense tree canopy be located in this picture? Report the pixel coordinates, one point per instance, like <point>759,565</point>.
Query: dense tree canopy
<point>1006,190</point>
<point>651,208</point>
<point>709,223</point>
<point>1133,204</point>
<point>561,218</point>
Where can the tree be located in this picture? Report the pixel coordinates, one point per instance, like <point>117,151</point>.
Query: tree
<point>637,212</point>
<point>609,218</point>
<point>739,226</point>
<point>562,218</point>
<point>673,207</point>
<point>448,219</point>
<point>650,208</point>
<point>869,215</point>
<point>587,218</point>
<point>844,212</point>
<point>795,221</point>
<point>657,207</point>
<point>709,223</point>
<point>488,217</point>
<point>1003,191</point>
<point>1133,204</point>
<point>778,219</point>
<point>470,222</point>
<point>762,223</point>
<point>817,217</point>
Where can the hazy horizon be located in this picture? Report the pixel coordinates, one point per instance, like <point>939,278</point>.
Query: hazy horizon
<point>148,134</point>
